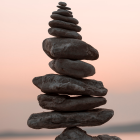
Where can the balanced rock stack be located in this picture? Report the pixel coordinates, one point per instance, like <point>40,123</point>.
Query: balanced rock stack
<point>67,50</point>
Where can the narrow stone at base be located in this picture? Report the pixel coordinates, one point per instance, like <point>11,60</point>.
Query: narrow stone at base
<point>76,133</point>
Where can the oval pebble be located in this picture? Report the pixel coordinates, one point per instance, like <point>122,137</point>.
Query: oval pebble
<point>64,25</point>
<point>62,3</point>
<point>64,18</point>
<point>77,69</point>
<point>58,32</point>
<point>63,12</point>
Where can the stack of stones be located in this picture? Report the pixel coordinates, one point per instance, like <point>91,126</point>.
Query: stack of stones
<point>67,50</point>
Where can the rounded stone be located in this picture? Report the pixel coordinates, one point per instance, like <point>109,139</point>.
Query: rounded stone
<point>77,69</point>
<point>52,120</point>
<point>67,48</point>
<point>64,18</point>
<point>66,103</point>
<point>53,83</point>
<point>64,7</point>
<point>64,25</point>
<point>63,12</point>
<point>58,32</point>
<point>62,3</point>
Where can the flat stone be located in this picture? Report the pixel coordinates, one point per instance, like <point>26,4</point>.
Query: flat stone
<point>52,120</point>
<point>63,12</point>
<point>76,133</point>
<point>62,3</point>
<point>64,7</point>
<point>64,18</point>
<point>66,103</point>
<point>58,32</point>
<point>53,83</point>
<point>77,69</point>
<point>64,25</point>
<point>67,48</point>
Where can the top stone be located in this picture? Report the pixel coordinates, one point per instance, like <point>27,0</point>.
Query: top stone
<point>62,3</point>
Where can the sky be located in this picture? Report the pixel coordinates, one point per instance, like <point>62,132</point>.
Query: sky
<point>112,27</point>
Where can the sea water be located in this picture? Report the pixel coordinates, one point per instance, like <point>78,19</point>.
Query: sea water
<point>126,136</point>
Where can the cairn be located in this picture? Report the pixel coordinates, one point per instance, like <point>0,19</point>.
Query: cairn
<point>70,112</point>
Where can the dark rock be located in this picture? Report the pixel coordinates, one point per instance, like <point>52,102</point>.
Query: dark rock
<point>54,119</point>
<point>66,103</point>
<point>53,83</point>
<point>64,25</point>
<point>67,48</point>
<point>63,12</point>
<point>107,137</point>
<point>75,133</point>
<point>64,7</point>
<point>64,18</point>
<point>72,68</point>
<point>58,32</point>
<point>62,3</point>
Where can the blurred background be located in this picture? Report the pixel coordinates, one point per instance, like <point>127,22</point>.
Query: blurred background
<point>112,27</point>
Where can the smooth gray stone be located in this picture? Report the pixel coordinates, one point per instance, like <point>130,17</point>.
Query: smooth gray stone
<point>77,69</point>
<point>67,103</point>
<point>75,133</point>
<point>62,3</point>
<point>52,120</point>
<point>63,12</point>
<point>53,83</point>
<point>67,48</point>
<point>64,25</point>
<point>64,7</point>
<point>59,32</point>
<point>64,18</point>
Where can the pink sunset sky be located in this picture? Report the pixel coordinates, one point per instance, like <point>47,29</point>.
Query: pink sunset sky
<point>111,26</point>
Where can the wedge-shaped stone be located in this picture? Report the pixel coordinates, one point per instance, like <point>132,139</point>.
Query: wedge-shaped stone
<point>64,25</point>
<point>54,83</point>
<point>63,12</point>
<point>67,48</point>
<point>64,18</point>
<point>64,7</point>
<point>77,68</point>
<point>59,32</point>
<point>54,119</point>
<point>66,103</point>
<point>76,133</point>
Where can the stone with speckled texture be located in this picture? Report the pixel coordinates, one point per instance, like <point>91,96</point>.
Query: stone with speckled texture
<point>76,133</point>
<point>54,83</point>
<point>77,68</point>
<point>67,48</point>
<point>52,120</point>
<point>66,103</point>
